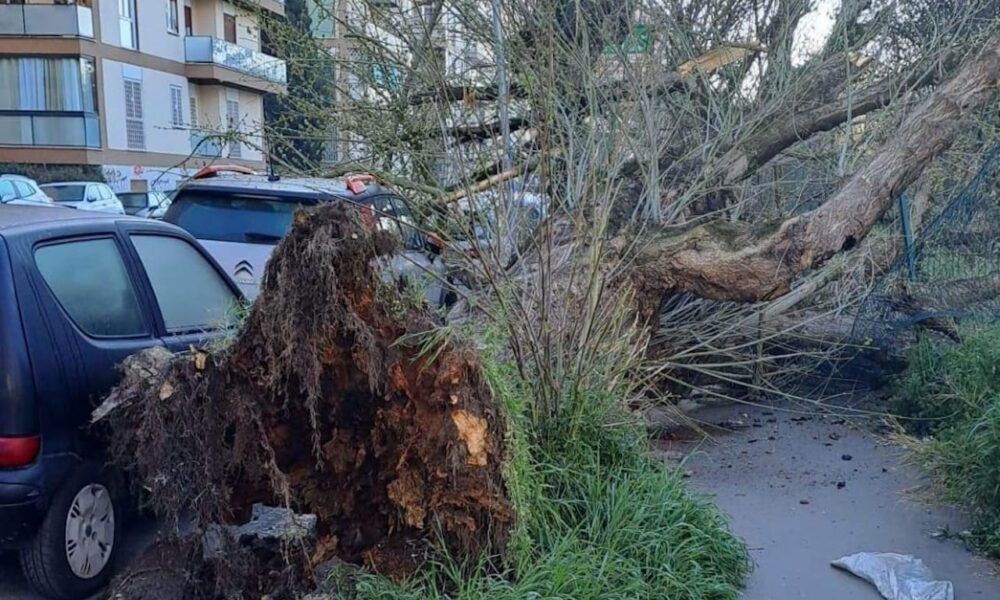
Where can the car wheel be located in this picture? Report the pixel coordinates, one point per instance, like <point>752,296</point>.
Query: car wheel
<point>71,555</point>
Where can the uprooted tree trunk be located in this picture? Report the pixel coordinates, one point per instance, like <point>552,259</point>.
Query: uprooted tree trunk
<point>323,405</point>
<point>722,260</point>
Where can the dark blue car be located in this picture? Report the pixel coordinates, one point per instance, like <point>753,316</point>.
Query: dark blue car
<point>80,291</point>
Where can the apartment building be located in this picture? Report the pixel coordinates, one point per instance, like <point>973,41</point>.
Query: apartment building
<point>461,57</point>
<point>149,90</point>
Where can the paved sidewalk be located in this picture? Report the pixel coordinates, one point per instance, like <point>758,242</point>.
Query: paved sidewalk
<point>805,489</point>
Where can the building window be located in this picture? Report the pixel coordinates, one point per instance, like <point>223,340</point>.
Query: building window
<point>229,28</point>
<point>134,129</point>
<point>233,119</point>
<point>128,29</point>
<point>48,101</point>
<point>47,83</point>
<point>194,111</point>
<point>321,18</point>
<point>176,106</point>
<point>188,21</point>
<point>173,24</point>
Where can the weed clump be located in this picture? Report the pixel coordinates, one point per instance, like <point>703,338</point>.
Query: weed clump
<point>950,395</point>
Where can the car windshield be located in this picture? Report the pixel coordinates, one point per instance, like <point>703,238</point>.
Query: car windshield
<point>234,217</point>
<point>65,192</point>
<point>133,200</point>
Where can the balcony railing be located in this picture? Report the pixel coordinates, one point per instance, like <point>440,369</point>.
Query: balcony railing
<point>46,19</point>
<point>210,50</point>
<point>71,130</point>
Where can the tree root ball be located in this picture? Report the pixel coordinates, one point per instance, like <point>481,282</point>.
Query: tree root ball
<point>329,403</point>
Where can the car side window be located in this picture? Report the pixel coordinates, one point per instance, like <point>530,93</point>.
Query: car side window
<point>89,279</point>
<point>92,193</point>
<point>191,293</point>
<point>23,190</point>
<point>7,191</point>
<point>106,193</point>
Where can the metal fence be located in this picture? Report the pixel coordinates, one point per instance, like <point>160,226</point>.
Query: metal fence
<point>948,277</point>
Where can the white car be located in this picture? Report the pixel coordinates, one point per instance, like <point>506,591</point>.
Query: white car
<point>240,217</point>
<point>85,195</point>
<point>15,189</point>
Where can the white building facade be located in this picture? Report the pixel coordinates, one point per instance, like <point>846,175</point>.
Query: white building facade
<point>149,90</point>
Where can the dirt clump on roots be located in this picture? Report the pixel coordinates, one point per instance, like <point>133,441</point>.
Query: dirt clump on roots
<point>321,404</point>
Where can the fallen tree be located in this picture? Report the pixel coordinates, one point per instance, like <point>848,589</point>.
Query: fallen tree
<point>329,402</point>
<point>722,260</point>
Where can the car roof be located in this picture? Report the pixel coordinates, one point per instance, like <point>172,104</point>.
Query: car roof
<point>13,176</point>
<point>315,187</point>
<point>44,216</point>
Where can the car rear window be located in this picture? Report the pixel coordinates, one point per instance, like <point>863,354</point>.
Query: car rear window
<point>65,193</point>
<point>240,218</point>
<point>133,200</point>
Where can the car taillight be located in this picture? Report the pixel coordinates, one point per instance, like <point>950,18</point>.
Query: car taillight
<point>18,451</point>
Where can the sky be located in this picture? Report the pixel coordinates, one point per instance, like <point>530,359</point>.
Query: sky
<point>813,29</point>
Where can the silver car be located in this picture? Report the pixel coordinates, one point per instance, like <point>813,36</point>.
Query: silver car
<point>85,195</point>
<point>15,189</point>
<point>240,218</point>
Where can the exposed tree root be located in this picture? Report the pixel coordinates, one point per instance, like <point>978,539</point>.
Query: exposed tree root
<point>321,404</point>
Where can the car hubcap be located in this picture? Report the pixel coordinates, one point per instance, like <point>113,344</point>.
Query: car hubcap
<point>90,531</point>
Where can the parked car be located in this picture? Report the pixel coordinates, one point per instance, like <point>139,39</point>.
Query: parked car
<point>80,291</point>
<point>151,205</point>
<point>85,195</point>
<point>240,217</point>
<point>15,189</point>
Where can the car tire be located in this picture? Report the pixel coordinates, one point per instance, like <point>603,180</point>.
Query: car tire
<point>73,551</point>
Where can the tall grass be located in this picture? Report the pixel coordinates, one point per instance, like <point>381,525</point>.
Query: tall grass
<point>597,518</point>
<point>951,394</point>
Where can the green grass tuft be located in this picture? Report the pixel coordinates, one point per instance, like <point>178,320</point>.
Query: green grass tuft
<point>597,518</point>
<point>951,394</point>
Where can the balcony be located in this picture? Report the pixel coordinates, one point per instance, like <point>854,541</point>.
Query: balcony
<point>59,129</point>
<point>46,20</point>
<point>275,6</point>
<point>208,58</point>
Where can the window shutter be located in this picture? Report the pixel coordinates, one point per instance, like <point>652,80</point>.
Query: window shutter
<point>134,130</point>
<point>233,118</point>
<point>176,106</point>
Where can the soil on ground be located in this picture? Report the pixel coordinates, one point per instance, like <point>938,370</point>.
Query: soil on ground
<point>805,485</point>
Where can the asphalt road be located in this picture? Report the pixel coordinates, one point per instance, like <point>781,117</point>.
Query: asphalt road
<point>804,489</point>
<point>141,533</point>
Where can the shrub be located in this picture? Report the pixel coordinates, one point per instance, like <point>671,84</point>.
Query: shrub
<point>952,395</point>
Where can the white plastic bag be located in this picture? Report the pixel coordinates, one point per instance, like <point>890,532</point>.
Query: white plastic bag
<point>897,576</point>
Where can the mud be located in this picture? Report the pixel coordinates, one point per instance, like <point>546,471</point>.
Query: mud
<point>327,402</point>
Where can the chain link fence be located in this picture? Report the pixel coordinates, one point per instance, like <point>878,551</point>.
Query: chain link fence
<point>948,276</point>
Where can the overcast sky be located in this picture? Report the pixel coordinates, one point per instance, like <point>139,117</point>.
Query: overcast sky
<point>813,28</point>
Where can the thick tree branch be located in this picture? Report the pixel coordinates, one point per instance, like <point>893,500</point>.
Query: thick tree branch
<point>760,148</point>
<point>730,261</point>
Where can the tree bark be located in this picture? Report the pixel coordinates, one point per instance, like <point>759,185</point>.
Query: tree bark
<point>733,261</point>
